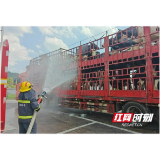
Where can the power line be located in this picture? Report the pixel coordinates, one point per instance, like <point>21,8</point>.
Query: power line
<point>92,36</point>
<point>81,40</point>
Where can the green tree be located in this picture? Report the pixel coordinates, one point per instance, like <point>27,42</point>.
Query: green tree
<point>10,83</point>
<point>13,74</point>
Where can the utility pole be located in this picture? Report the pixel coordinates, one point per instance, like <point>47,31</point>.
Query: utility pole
<point>2,30</point>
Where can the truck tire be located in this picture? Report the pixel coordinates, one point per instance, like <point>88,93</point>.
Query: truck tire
<point>157,116</point>
<point>136,108</point>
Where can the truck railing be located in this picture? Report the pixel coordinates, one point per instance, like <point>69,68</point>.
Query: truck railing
<point>91,57</point>
<point>99,74</point>
<point>55,53</point>
<point>154,31</point>
<point>134,32</point>
<point>126,35</point>
<point>93,45</point>
<point>126,71</point>
<point>124,83</point>
<point>127,49</point>
<point>92,85</point>
<point>98,46</point>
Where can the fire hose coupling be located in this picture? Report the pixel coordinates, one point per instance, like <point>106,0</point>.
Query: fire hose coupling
<point>40,97</point>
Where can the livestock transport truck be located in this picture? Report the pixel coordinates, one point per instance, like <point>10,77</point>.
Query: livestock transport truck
<point>118,72</point>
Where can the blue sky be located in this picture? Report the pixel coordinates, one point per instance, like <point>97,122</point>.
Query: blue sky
<point>29,42</point>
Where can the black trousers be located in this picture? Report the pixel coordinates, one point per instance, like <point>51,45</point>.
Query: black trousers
<point>23,127</point>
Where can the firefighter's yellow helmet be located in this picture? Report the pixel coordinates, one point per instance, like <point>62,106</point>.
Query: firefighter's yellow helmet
<point>25,86</point>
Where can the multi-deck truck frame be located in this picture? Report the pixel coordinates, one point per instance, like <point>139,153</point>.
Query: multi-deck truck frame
<point>118,72</point>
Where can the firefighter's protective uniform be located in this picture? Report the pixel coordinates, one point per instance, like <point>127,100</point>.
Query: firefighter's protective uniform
<point>27,103</point>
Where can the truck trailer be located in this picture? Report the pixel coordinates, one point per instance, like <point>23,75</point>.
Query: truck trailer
<point>115,73</point>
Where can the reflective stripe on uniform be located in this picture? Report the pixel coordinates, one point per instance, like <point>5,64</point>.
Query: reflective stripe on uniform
<point>25,117</point>
<point>38,107</point>
<point>24,101</point>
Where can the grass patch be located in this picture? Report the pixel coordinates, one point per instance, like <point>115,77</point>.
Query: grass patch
<point>11,96</point>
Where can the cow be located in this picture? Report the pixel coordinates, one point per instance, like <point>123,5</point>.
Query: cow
<point>156,79</point>
<point>90,50</point>
<point>120,69</point>
<point>143,81</point>
<point>137,75</point>
<point>137,78</point>
<point>123,40</point>
<point>129,38</point>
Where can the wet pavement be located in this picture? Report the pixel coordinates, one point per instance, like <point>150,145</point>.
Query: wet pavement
<point>71,121</point>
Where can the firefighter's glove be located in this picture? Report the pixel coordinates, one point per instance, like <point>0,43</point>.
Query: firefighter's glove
<point>38,97</point>
<point>40,100</point>
<point>38,108</point>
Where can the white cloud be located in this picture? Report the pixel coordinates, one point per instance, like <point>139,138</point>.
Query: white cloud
<point>18,31</point>
<point>86,31</point>
<point>92,31</point>
<point>31,51</point>
<point>54,43</point>
<point>48,30</point>
<point>40,51</point>
<point>58,31</point>
<point>17,70</point>
<point>38,46</point>
<point>17,52</point>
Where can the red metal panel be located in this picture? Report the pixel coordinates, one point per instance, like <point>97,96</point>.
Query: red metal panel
<point>155,48</point>
<point>106,64</point>
<point>119,56</point>
<point>4,72</point>
<point>95,61</point>
<point>79,70</point>
<point>89,62</point>
<point>149,86</point>
<point>128,93</point>
<point>156,94</point>
<point>3,107</point>
<point>84,63</point>
<point>125,55</point>
<point>110,108</point>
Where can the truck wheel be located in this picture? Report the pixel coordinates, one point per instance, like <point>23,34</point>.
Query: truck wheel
<point>136,108</point>
<point>157,116</point>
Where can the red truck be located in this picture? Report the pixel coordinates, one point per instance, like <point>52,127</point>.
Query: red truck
<point>118,72</point>
<point>4,71</point>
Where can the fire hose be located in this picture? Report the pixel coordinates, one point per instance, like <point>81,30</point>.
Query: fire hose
<point>40,97</point>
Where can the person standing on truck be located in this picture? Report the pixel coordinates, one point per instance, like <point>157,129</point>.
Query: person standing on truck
<point>27,103</point>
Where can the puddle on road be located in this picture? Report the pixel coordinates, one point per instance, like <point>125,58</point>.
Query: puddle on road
<point>72,114</point>
<point>83,115</point>
<point>79,115</point>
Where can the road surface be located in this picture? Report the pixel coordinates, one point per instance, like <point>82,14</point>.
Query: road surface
<point>62,120</point>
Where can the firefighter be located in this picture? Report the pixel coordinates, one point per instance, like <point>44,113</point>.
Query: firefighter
<point>27,103</point>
